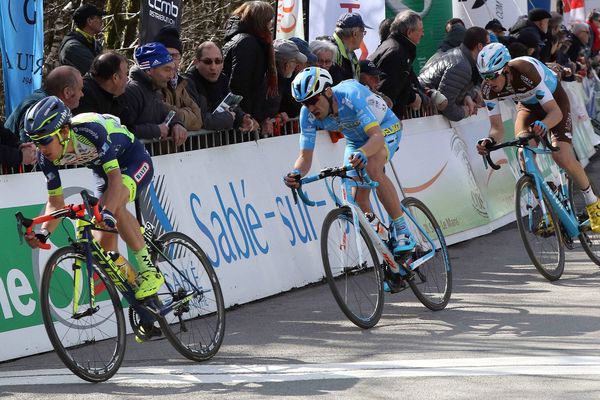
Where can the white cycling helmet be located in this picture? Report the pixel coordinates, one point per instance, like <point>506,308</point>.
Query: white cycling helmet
<point>310,82</point>
<point>492,58</point>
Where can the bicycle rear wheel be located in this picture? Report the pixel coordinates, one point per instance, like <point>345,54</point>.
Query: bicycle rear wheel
<point>543,241</point>
<point>590,241</point>
<point>432,280</point>
<point>195,323</point>
<point>89,340</point>
<point>356,282</point>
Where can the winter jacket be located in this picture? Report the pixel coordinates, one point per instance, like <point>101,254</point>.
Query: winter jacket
<point>95,99</point>
<point>75,50</point>
<point>179,99</point>
<point>524,25</point>
<point>208,95</point>
<point>452,40</point>
<point>16,119</point>
<point>452,75</point>
<point>394,57</point>
<point>10,154</point>
<point>144,108</point>
<point>346,62</point>
<point>245,64</point>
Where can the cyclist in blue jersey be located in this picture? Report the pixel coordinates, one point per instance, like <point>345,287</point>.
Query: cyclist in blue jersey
<point>119,161</point>
<point>372,133</point>
<point>542,104</point>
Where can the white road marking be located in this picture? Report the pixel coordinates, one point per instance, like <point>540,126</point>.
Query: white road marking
<point>236,374</point>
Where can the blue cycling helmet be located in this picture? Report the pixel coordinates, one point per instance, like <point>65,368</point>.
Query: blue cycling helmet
<point>310,82</point>
<point>492,58</point>
<point>45,118</point>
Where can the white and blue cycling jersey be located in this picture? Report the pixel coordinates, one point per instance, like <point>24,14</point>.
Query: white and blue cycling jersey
<point>359,110</point>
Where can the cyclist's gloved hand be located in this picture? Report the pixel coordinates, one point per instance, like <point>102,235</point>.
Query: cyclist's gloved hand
<point>35,239</point>
<point>358,159</point>
<point>539,128</point>
<point>484,144</point>
<point>292,179</point>
<point>108,218</point>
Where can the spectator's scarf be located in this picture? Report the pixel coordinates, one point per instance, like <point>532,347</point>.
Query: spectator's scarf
<point>596,42</point>
<point>271,68</point>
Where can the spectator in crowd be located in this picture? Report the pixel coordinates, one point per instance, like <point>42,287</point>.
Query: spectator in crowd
<point>451,74</point>
<point>536,23</point>
<point>579,38</point>
<point>453,39</point>
<point>103,85</point>
<point>311,58</point>
<point>530,41</point>
<point>495,28</point>
<point>80,47</point>
<point>287,58</point>
<point>64,82</point>
<point>395,56</point>
<point>517,49</point>
<point>594,23</point>
<point>384,29</point>
<point>145,111</point>
<point>326,52</point>
<point>176,94</point>
<point>370,76</point>
<point>13,154</point>
<point>349,33</point>
<point>209,87</point>
<point>452,22</point>
<point>250,59</point>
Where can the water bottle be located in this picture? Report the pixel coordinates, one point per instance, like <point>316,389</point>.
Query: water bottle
<point>126,269</point>
<point>377,225</point>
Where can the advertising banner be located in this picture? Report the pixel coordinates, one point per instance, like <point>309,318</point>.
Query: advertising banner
<point>290,19</point>
<point>328,12</point>
<point>22,44</point>
<point>480,12</point>
<point>154,14</point>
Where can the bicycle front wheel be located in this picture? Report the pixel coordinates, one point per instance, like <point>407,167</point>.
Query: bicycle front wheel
<point>541,235</point>
<point>590,240</point>
<point>432,280</point>
<point>89,337</point>
<point>195,322</point>
<point>352,268</point>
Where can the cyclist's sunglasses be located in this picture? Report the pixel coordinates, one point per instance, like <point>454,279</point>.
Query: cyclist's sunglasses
<point>490,76</point>
<point>45,140</point>
<point>311,102</point>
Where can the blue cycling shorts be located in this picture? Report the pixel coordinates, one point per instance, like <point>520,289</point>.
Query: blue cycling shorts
<point>392,142</point>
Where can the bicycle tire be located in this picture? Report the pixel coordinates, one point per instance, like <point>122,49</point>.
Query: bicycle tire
<point>432,281</point>
<point>199,333</point>
<point>366,278</point>
<point>534,231</point>
<point>56,296</point>
<point>590,241</point>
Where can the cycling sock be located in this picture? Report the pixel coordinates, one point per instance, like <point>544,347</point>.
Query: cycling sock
<point>589,196</point>
<point>143,259</point>
<point>400,226</point>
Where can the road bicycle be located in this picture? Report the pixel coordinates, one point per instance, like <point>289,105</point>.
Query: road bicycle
<point>351,247</point>
<point>550,215</point>
<point>83,314</point>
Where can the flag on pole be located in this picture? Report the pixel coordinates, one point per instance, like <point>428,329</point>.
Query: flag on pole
<point>573,11</point>
<point>290,19</point>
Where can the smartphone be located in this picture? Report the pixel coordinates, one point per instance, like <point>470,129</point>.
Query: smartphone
<point>170,116</point>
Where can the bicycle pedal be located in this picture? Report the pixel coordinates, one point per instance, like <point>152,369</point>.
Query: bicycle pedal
<point>395,284</point>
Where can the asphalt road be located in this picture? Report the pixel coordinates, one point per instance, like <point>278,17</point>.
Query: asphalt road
<point>506,333</point>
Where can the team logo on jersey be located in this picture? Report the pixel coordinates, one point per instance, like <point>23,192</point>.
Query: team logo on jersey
<point>539,94</point>
<point>490,105</point>
<point>526,80</point>
<point>141,172</point>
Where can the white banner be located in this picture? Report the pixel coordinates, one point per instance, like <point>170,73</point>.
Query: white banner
<point>326,14</point>
<point>290,19</point>
<point>480,12</point>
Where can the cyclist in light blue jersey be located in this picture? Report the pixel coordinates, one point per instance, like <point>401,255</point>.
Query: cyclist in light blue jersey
<point>372,134</point>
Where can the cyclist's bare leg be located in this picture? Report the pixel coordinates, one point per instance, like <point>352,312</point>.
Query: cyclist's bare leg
<point>385,191</point>
<point>565,158</point>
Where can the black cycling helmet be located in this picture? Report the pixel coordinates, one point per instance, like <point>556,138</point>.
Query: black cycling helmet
<point>44,119</point>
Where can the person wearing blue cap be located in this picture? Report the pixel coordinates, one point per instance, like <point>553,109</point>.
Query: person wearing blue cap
<point>350,30</point>
<point>145,111</point>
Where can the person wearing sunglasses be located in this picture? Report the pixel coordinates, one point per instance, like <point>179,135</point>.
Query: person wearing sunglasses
<point>542,107</point>
<point>120,163</point>
<point>372,133</point>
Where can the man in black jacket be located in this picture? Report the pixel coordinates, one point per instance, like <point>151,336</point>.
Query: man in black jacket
<point>208,86</point>
<point>395,56</point>
<point>12,154</point>
<point>103,85</point>
<point>80,47</point>
<point>537,23</point>
<point>145,112</point>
